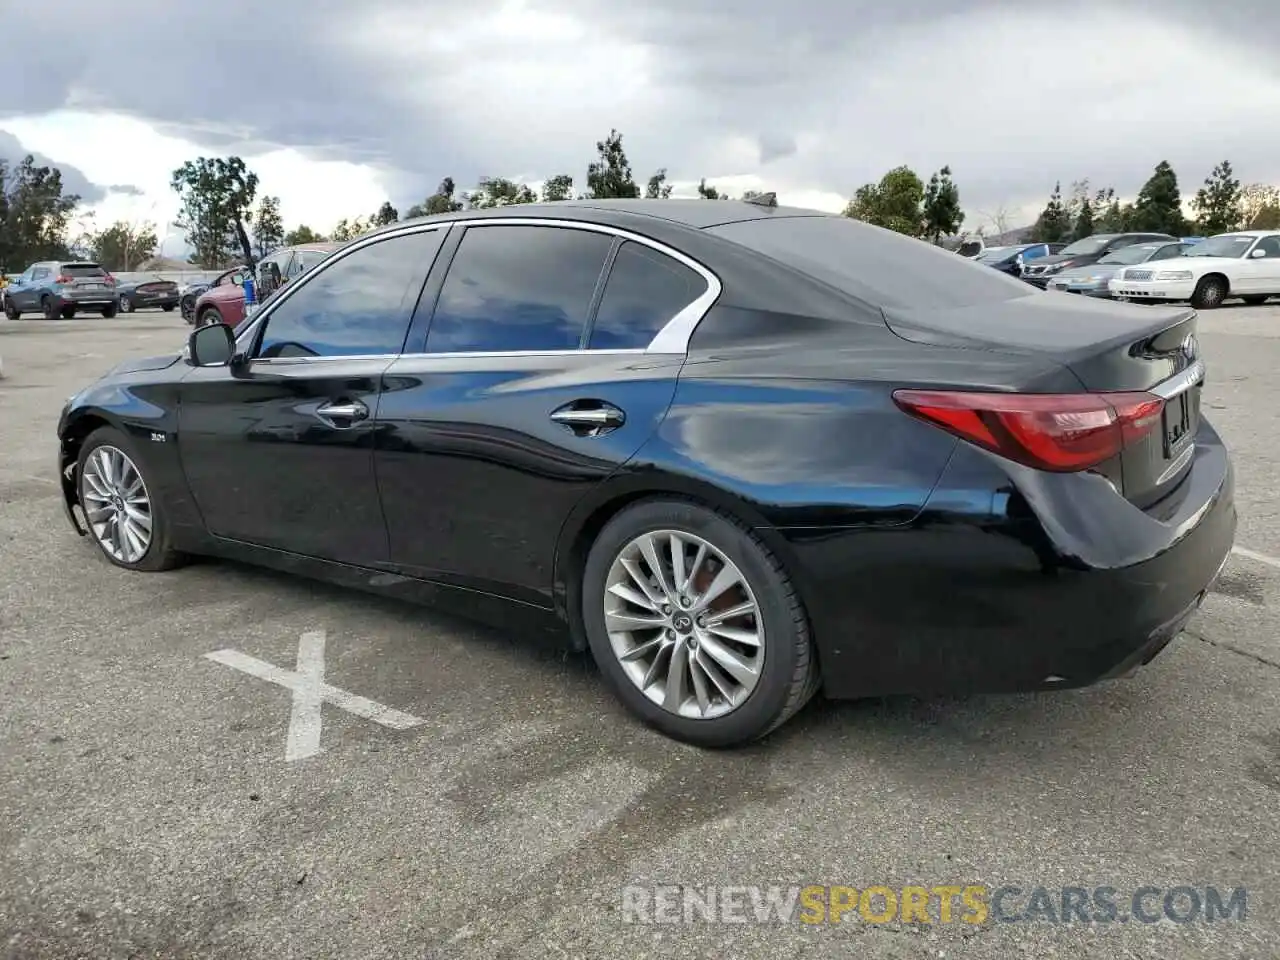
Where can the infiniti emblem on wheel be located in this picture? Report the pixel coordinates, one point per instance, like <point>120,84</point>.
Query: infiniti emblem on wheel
<point>683,623</point>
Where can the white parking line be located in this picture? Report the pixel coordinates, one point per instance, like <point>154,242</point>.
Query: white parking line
<point>309,692</point>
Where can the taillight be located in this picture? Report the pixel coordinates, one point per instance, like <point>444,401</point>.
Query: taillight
<point>63,278</point>
<point>110,280</point>
<point>1063,433</point>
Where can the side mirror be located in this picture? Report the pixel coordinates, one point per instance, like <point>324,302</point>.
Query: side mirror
<point>213,345</point>
<point>1258,253</point>
<point>237,279</point>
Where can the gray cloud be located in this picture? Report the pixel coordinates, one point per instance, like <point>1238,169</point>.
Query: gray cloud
<point>73,181</point>
<point>1013,97</point>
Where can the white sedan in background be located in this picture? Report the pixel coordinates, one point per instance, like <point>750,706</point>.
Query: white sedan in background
<point>1244,264</point>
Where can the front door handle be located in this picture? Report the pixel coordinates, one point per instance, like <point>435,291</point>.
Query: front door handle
<point>589,417</point>
<point>348,410</point>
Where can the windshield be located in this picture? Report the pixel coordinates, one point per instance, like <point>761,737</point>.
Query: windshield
<point>1088,245</point>
<point>1227,245</point>
<point>1138,253</point>
<point>876,266</point>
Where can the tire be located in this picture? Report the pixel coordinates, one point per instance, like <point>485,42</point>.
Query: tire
<point>207,316</point>
<point>1255,300</point>
<point>109,311</point>
<point>785,665</point>
<point>1209,293</point>
<point>167,308</point>
<point>48,308</point>
<point>68,312</point>
<point>158,554</point>
<point>12,312</point>
<point>126,305</point>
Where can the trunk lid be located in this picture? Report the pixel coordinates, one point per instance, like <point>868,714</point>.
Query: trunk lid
<point>1110,348</point>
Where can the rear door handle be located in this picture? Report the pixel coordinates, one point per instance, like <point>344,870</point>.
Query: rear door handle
<point>349,410</point>
<point>589,417</point>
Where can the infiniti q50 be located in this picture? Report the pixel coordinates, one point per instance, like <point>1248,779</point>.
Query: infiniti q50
<point>740,452</point>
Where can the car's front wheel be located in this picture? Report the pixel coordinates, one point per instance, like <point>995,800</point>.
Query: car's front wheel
<point>695,624</point>
<point>124,517</point>
<point>126,304</point>
<point>207,316</point>
<point>1209,293</point>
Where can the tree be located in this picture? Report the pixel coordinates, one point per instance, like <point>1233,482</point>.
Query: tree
<point>122,246</point>
<point>893,203</point>
<point>1054,223</point>
<point>1109,214</point>
<point>1218,202</point>
<point>708,192</point>
<point>1260,206</point>
<point>500,192</point>
<point>217,197</point>
<point>442,201</point>
<point>941,208</point>
<point>345,229</point>
<point>386,214</point>
<point>610,175</point>
<point>302,234</point>
<point>34,213</point>
<point>657,188</point>
<point>559,187</point>
<point>1083,226</point>
<point>267,225</point>
<point>1158,208</point>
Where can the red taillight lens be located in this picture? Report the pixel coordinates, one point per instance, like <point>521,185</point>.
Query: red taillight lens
<point>109,279</point>
<point>1059,432</point>
<point>63,278</point>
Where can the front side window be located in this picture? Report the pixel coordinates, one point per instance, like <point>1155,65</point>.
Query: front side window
<point>1270,245</point>
<point>357,306</point>
<point>520,288</point>
<point>644,291</point>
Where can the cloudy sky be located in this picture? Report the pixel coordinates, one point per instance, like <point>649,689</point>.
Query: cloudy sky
<point>340,104</point>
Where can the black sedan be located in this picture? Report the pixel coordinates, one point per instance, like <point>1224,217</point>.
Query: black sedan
<point>138,291</point>
<point>741,452</point>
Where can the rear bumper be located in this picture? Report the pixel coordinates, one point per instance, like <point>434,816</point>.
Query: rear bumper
<point>98,300</point>
<point>1060,583</point>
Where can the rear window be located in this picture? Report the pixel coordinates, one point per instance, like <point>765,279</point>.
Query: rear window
<point>878,266</point>
<point>82,270</point>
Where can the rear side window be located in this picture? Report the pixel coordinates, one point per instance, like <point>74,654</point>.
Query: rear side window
<point>644,291</point>
<point>877,266</point>
<point>78,270</point>
<point>518,288</point>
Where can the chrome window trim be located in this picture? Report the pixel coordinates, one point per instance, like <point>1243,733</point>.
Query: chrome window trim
<point>462,355</point>
<point>672,338</point>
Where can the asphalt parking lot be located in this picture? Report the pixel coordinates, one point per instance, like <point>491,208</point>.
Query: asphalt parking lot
<point>493,801</point>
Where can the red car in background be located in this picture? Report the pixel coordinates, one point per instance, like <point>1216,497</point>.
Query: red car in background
<point>224,302</point>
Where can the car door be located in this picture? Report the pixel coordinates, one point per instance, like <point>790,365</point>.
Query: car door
<point>533,384</point>
<point>278,451</point>
<point>1263,272</point>
<point>34,283</point>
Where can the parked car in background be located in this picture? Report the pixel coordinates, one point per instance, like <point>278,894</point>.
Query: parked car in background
<point>1094,280</point>
<point>1011,259</point>
<point>1245,264</point>
<point>224,302</point>
<point>59,288</point>
<point>192,291</point>
<point>1084,252</point>
<point>740,452</point>
<point>971,248</point>
<point>135,291</point>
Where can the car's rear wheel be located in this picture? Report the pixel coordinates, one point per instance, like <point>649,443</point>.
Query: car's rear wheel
<point>695,624</point>
<point>68,313</point>
<point>125,519</point>
<point>49,308</point>
<point>109,311</point>
<point>1209,293</point>
<point>1255,299</point>
<point>167,308</point>
<point>126,304</point>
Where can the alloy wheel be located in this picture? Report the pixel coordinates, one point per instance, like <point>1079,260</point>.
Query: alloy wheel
<point>116,504</point>
<point>684,624</point>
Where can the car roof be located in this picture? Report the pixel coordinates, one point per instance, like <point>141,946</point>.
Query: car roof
<point>698,214</point>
